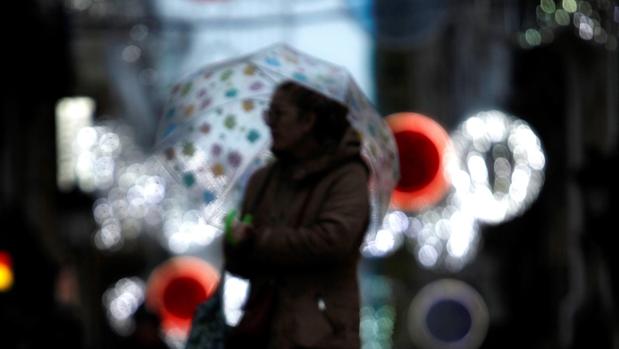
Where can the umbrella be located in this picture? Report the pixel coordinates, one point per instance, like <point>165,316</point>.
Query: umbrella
<point>212,135</point>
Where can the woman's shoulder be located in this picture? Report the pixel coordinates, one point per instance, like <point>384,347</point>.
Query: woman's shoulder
<point>263,171</point>
<point>260,175</point>
<point>354,164</point>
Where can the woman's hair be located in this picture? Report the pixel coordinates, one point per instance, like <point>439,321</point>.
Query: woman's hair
<point>331,121</point>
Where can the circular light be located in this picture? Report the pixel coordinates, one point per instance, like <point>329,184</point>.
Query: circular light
<point>458,318</point>
<point>448,313</point>
<point>422,144</point>
<point>177,287</point>
<point>6,278</point>
<point>6,272</point>
<point>501,165</point>
<point>181,296</point>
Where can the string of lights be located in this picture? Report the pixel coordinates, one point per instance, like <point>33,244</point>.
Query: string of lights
<point>594,21</point>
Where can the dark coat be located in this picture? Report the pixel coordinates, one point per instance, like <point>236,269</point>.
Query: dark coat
<point>310,219</point>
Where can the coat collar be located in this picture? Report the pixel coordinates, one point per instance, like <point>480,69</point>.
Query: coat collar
<point>348,148</point>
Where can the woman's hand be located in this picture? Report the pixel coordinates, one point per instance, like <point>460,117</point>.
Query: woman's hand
<point>241,232</point>
<point>237,231</point>
<point>238,245</point>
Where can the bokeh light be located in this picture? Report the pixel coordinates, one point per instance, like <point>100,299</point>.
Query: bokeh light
<point>377,326</point>
<point>570,5</point>
<point>378,312</point>
<point>448,313</point>
<point>121,301</point>
<point>135,194</point>
<point>446,236</point>
<point>176,287</point>
<point>6,271</point>
<point>388,238</point>
<point>502,165</point>
<point>72,115</point>
<point>422,144</point>
<point>548,6</point>
<point>590,21</point>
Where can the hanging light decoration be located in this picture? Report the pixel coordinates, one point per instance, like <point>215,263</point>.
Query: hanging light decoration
<point>501,165</point>
<point>592,21</point>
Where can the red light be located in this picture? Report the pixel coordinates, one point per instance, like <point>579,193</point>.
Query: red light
<point>5,259</point>
<point>181,295</point>
<point>176,287</point>
<point>422,144</point>
<point>6,271</point>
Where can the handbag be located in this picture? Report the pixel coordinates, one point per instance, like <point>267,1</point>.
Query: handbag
<point>208,324</point>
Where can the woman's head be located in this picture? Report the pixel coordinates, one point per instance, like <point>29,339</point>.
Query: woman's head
<point>297,112</point>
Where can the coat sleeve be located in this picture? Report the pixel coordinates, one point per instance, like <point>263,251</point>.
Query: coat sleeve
<point>237,258</point>
<point>335,234</point>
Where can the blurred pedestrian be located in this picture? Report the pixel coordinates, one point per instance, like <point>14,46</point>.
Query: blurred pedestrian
<point>303,218</point>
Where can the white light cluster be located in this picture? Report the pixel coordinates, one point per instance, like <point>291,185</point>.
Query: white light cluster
<point>186,229</point>
<point>72,115</point>
<point>502,165</point>
<point>445,236</point>
<point>135,194</point>
<point>121,301</point>
<point>591,20</point>
<point>388,238</point>
<point>97,150</point>
<point>496,171</point>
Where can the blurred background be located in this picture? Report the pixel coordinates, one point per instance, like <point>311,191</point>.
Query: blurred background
<point>100,249</point>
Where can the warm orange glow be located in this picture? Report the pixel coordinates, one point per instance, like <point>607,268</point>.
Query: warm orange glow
<point>177,287</point>
<point>422,144</point>
<point>6,272</point>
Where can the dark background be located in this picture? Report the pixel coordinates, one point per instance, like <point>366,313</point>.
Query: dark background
<point>549,276</point>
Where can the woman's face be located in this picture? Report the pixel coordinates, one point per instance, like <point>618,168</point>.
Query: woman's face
<point>288,129</point>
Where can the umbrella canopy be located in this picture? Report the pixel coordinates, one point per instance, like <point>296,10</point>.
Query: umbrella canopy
<point>212,135</point>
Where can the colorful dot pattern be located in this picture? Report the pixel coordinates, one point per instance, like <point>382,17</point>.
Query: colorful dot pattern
<point>283,62</point>
<point>216,147</point>
<point>212,133</point>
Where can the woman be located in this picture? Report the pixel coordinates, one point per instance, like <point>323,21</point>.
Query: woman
<point>310,210</point>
